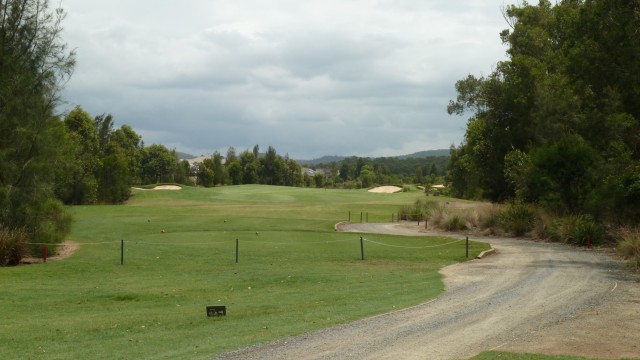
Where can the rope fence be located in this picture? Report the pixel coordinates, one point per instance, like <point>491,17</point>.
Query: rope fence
<point>122,244</point>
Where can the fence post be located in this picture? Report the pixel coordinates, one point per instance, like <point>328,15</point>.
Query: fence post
<point>44,253</point>
<point>361,248</point>
<point>467,246</point>
<point>367,216</point>
<point>121,252</point>
<point>361,217</point>
<point>349,216</point>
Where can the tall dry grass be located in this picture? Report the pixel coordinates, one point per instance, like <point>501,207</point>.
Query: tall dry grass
<point>629,245</point>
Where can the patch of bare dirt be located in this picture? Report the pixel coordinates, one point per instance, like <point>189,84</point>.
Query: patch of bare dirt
<point>64,250</point>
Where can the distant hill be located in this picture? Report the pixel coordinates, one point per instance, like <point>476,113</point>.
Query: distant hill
<point>426,154</point>
<point>417,155</point>
<point>184,156</point>
<point>323,160</point>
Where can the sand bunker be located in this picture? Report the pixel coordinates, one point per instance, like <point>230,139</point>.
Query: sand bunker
<point>163,187</point>
<point>386,189</point>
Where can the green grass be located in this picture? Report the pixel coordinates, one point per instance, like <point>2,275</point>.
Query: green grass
<point>295,273</point>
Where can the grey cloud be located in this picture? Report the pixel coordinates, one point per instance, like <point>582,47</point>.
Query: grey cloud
<point>310,78</point>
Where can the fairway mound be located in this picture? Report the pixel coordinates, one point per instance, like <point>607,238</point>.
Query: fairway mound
<point>386,189</point>
<point>162,187</point>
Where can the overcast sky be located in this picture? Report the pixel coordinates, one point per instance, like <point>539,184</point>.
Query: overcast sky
<point>310,78</point>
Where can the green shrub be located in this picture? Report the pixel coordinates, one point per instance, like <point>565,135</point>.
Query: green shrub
<point>518,218</point>
<point>629,246</point>
<point>576,229</point>
<point>13,246</point>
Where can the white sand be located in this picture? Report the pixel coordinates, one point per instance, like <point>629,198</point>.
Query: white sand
<point>386,189</point>
<point>163,187</point>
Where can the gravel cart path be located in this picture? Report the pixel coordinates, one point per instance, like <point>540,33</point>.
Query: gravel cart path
<point>529,297</point>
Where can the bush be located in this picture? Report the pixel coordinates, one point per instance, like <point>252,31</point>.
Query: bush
<point>455,223</point>
<point>413,212</point>
<point>489,218</point>
<point>13,246</point>
<point>576,229</point>
<point>629,246</point>
<point>518,219</point>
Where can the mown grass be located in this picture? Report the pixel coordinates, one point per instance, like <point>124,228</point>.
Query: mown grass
<point>294,274</point>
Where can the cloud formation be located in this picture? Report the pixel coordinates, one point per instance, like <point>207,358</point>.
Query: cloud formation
<point>311,78</point>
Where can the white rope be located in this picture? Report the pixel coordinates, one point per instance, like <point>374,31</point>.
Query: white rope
<point>413,247</point>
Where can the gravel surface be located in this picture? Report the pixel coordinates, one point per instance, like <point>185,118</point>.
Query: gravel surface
<point>529,297</point>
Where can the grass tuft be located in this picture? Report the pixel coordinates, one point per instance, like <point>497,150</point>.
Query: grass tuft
<point>629,246</point>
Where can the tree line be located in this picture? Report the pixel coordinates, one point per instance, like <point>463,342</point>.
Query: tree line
<point>359,172</point>
<point>556,124</point>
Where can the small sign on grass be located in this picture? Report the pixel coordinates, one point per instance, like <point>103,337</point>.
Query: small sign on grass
<point>219,310</point>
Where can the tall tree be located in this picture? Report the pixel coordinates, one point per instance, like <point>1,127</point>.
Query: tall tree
<point>159,164</point>
<point>565,99</point>
<point>34,62</point>
<point>82,183</point>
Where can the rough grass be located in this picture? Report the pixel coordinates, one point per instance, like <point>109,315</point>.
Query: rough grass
<point>295,274</point>
<point>629,246</point>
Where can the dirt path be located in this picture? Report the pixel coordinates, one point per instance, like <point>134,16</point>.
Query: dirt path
<point>530,297</point>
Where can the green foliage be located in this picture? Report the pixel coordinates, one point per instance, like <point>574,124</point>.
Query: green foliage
<point>576,229</point>
<point>33,63</point>
<point>13,247</point>
<point>159,164</point>
<point>551,125</point>
<point>517,218</point>
<point>104,162</point>
<point>562,176</point>
<point>387,170</point>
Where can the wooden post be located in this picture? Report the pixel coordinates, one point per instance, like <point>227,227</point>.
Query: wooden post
<point>467,246</point>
